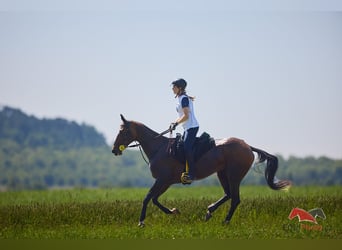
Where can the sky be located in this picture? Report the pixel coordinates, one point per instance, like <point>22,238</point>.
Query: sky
<point>269,73</point>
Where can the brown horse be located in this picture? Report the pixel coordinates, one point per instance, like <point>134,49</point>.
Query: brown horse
<point>230,159</point>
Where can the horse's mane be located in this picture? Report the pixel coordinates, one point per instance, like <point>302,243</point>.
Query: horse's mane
<point>148,130</point>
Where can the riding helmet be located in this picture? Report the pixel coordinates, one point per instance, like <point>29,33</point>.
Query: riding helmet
<point>180,83</point>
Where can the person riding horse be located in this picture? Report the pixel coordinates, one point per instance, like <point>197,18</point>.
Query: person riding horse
<point>231,159</point>
<point>190,125</point>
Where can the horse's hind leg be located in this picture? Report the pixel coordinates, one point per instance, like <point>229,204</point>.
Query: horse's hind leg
<point>235,191</point>
<point>225,184</point>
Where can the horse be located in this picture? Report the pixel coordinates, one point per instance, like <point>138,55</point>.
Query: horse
<point>231,159</point>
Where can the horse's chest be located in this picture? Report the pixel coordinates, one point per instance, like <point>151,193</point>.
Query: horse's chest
<point>155,168</point>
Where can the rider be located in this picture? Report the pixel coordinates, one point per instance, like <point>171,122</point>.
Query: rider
<point>190,124</point>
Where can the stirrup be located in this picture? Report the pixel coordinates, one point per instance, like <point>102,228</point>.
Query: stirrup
<point>185,178</point>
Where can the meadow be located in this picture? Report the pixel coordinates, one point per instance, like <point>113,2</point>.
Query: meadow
<point>114,214</point>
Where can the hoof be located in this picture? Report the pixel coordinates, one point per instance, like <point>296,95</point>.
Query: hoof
<point>226,222</point>
<point>175,211</point>
<point>141,224</point>
<point>208,216</point>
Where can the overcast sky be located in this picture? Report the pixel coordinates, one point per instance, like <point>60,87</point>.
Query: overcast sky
<point>269,74</point>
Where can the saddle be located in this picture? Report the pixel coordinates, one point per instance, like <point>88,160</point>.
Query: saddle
<point>202,145</point>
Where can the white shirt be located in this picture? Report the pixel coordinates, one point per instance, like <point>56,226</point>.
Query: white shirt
<point>192,121</point>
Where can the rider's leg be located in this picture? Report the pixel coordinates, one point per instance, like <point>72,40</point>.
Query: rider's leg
<point>189,141</point>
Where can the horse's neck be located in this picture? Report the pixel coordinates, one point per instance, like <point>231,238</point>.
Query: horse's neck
<point>149,141</point>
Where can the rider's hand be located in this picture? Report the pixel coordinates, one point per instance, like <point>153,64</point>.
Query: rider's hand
<point>173,126</point>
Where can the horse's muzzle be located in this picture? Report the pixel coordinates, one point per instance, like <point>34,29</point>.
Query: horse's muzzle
<point>116,151</point>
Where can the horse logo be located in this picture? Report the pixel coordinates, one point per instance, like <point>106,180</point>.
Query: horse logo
<point>309,216</point>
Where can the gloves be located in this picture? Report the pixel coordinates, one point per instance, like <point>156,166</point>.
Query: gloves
<point>173,126</point>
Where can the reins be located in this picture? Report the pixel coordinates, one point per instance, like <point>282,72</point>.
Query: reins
<point>139,145</point>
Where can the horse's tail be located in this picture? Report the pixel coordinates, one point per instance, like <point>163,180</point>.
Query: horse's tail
<point>271,169</point>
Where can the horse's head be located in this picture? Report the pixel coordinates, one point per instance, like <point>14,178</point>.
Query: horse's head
<point>126,135</point>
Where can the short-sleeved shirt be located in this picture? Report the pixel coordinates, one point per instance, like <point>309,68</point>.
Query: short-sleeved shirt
<point>182,102</point>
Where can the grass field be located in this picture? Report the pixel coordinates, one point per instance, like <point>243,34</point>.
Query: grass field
<point>114,214</point>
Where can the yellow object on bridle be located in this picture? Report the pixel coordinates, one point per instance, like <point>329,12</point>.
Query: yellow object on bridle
<point>122,147</point>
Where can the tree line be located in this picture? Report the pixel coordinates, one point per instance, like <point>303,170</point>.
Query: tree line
<point>61,134</point>
<point>56,153</point>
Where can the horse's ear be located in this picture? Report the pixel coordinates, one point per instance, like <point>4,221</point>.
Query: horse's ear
<point>123,119</point>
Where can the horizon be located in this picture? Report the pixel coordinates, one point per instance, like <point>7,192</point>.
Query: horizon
<point>2,106</point>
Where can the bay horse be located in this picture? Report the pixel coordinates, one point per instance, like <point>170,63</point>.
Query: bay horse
<point>230,159</point>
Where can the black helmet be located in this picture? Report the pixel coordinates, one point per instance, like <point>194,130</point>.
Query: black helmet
<point>180,83</point>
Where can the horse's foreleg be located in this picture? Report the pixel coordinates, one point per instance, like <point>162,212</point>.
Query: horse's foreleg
<point>156,190</point>
<point>160,206</point>
<point>143,210</point>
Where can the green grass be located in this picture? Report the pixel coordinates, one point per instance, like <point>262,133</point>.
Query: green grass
<point>114,214</point>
